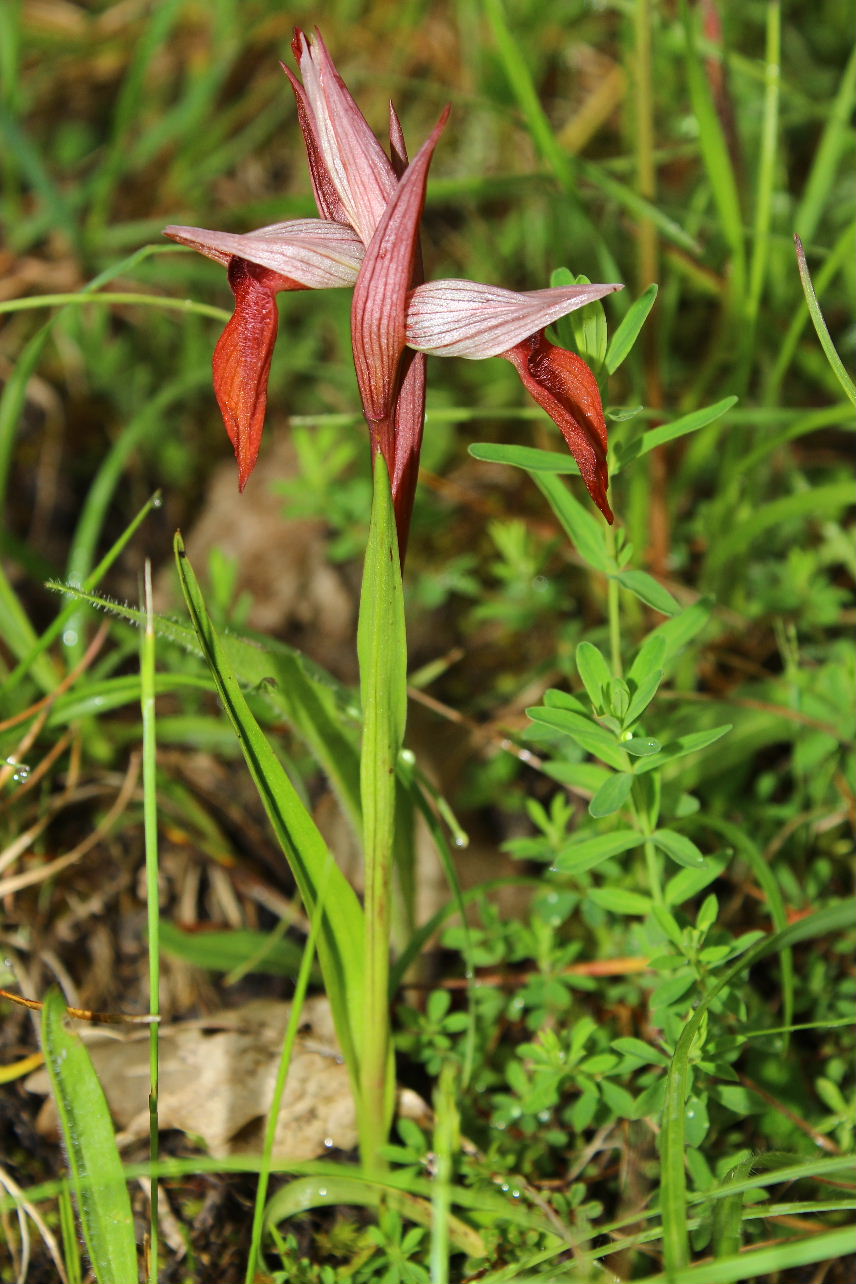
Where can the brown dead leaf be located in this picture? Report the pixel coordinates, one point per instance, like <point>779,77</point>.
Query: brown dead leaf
<point>217,1077</point>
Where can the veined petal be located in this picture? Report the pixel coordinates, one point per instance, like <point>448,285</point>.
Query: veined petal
<point>380,295</point>
<point>467,319</point>
<point>352,156</point>
<point>565,387</point>
<point>242,360</point>
<point>308,253</point>
<point>327,197</point>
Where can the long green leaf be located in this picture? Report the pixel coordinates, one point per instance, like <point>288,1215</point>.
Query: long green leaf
<point>97,1178</point>
<point>301,692</point>
<point>714,150</point>
<point>836,365</point>
<point>382,651</point>
<point>340,946</point>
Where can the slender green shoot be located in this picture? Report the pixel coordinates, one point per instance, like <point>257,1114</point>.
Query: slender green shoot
<point>150,824</point>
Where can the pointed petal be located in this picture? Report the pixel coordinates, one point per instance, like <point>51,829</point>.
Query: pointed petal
<point>242,361</point>
<point>565,387</point>
<point>327,197</point>
<point>307,254</point>
<point>357,164</point>
<point>397,145</point>
<point>466,319</point>
<point>380,295</point>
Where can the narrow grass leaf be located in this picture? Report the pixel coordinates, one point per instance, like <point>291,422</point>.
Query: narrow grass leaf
<point>240,949</point>
<point>765,184</point>
<point>586,854</point>
<point>586,532</point>
<point>530,458</point>
<point>622,342</point>
<point>836,365</point>
<point>714,150</point>
<point>692,422</point>
<point>620,901</point>
<point>835,141</point>
<point>679,848</point>
<point>643,695</point>
<point>612,795</point>
<point>340,945</point>
<point>587,734</point>
<point>335,1191</point>
<point>764,1262</point>
<point>595,674</point>
<point>295,688</point>
<point>694,742</point>
<point>689,882</point>
<point>99,1184</point>
<point>648,590</point>
<point>828,500</point>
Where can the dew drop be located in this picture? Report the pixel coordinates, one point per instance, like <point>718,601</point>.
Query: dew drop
<point>69,638</point>
<point>21,772</point>
<point>329,1143</point>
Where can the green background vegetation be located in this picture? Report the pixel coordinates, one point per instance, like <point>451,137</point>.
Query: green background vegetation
<point>689,875</point>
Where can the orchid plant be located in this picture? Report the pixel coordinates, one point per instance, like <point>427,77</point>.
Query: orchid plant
<point>367,236</point>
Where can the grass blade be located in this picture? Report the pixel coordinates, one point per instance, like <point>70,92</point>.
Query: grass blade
<point>836,365</point>
<point>340,945</point>
<point>103,1203</point>
<point>714,150</point>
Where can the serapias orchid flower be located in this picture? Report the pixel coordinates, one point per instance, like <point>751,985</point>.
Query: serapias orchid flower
<point>465,319</point>
<point>305,254</point>
<point>368,236</point>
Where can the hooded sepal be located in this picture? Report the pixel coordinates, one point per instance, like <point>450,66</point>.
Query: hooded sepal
<point>242,360</point>
<point>380,294</point>
<point>566,388</point>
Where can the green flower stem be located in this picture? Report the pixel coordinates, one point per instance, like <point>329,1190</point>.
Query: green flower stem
<point>653,867</point>
<point>613,609</point>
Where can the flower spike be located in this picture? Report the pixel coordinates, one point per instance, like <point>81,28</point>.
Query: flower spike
<point>380,295</point>
<point>368,236</point>
<point>392,384</point>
